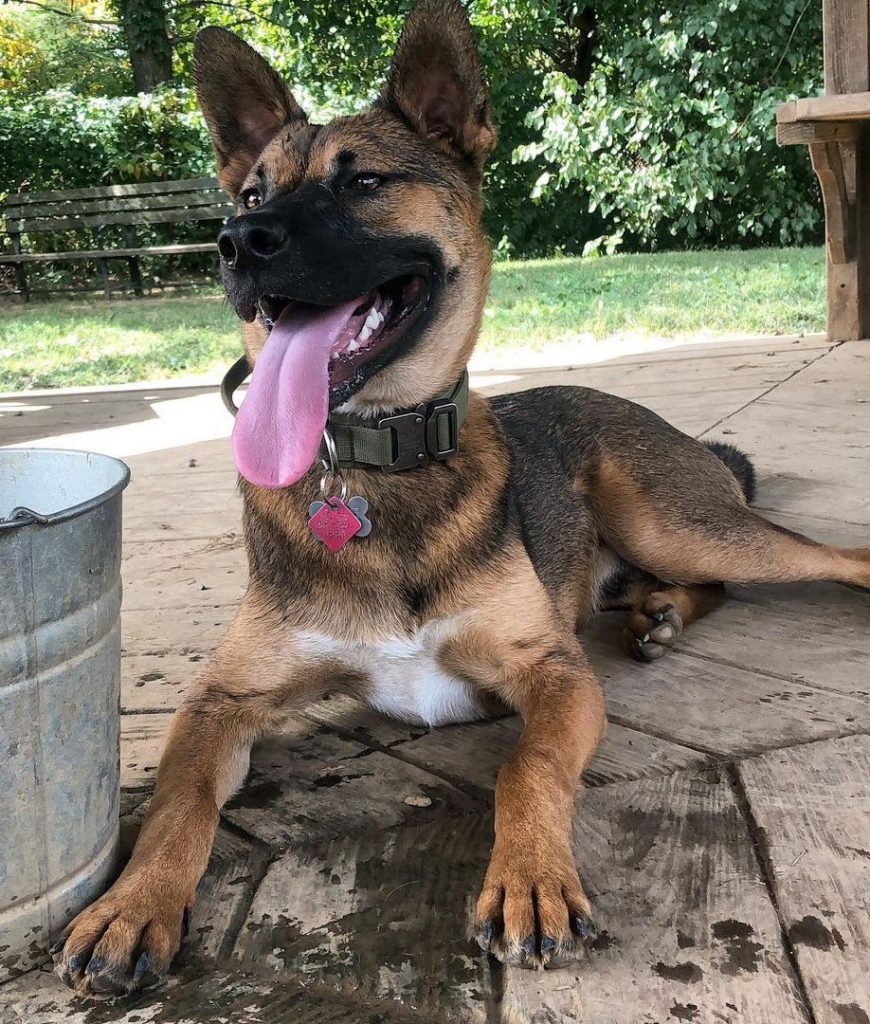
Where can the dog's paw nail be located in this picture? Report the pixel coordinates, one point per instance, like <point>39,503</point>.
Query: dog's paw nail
<point>97,963</point>
<point>143,965</point>
<point>75,962</point>
<point>548,944</point>
<point>56,947</point>
<point>528,945</point>
<point>185,922</point>
<point>583,927</point>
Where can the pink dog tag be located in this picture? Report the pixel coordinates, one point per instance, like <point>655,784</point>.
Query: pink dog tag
<point>334,524</point>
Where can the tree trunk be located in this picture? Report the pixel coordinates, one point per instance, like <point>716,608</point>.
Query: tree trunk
<point>574,49</point>
<point>148,42</point>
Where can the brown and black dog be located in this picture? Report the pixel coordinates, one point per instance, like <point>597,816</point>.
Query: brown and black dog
<point>358,261</point>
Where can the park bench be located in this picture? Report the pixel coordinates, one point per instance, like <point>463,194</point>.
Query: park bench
<point>835,128</point>
<point>129,208</point>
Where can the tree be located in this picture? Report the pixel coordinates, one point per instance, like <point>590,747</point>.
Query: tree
<point>148,44</point>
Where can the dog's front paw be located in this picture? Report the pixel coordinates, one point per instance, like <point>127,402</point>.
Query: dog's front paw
<point>532,911</point>
<point>124,941</point>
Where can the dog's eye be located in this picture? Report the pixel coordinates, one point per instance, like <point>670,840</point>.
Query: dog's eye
<point>250,198</point>
<point>366,182</point>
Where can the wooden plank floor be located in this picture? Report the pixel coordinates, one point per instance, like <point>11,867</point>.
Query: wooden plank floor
<point>723,834</point>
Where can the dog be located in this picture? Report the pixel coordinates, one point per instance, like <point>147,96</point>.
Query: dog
<point>426,550</point>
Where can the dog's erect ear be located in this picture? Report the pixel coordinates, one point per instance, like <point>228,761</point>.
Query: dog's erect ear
<point>436,82</point>
<point>243,99</point>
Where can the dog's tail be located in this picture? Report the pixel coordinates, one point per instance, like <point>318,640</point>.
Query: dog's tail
<point>739,464</point>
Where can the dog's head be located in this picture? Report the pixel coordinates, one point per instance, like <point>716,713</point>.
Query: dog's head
<point>360,238</point>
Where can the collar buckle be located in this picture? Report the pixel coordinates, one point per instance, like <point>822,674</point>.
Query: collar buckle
<point>431,431</point>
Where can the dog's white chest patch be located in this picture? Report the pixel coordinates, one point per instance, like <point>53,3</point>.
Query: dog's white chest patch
<point>406,680</point>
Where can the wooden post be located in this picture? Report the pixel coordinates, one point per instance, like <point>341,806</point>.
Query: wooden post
<point>20,269</point>
<point>131,241</point>
<point>844,173</point>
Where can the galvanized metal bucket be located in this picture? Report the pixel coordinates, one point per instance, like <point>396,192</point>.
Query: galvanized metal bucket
<point>60,599</point>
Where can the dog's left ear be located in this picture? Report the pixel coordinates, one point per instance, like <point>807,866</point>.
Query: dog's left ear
<point>243,99</point>
<point>436,82</point>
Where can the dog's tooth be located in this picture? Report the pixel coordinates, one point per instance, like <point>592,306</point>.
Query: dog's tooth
<point>372,319</point>
<point>354,345</point>
<point>365,333</point>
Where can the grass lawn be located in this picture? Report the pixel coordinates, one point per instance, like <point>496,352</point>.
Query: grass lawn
<point>531,304</point>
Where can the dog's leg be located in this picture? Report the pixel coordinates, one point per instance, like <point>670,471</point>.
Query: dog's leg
<point>532,910</point>
<point>129,936</point>
<point>519,646</point>
<point>705,533</point>
<point>661,615</point>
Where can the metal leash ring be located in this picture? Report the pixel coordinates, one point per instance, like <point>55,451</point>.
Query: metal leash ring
<point>327,483</point>
<point>331,472</point>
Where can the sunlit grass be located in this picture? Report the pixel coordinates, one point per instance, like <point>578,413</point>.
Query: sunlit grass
<point>532,304</point>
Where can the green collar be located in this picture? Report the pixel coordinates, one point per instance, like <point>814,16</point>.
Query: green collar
<point>400,441</point>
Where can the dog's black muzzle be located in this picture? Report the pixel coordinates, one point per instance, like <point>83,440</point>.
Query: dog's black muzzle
<point>304,247</point>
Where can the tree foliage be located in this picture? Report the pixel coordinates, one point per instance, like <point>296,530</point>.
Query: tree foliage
<point>672,136</point>
<point>622,121</point>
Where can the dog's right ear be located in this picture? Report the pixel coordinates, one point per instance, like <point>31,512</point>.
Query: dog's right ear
<point>244,102</point>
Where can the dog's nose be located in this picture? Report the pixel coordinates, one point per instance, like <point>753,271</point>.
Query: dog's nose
<point>248,239</point>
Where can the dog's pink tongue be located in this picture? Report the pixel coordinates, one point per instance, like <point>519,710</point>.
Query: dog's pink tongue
<point>280,423</point>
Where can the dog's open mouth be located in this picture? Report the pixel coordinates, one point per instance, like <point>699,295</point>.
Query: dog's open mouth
<point>313,358</point>
<point>377,320</point>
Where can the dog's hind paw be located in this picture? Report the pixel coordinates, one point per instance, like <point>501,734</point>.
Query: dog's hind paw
<point>652,629</point>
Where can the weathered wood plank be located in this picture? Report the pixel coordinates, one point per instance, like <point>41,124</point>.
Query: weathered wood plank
<point>720,708</point>
<point>837,379</point>
<point>689,931</point>
<point>811,633</point>
<point>846,39</point>
<point>474,752</point>
<point>181,249</point>
<point>686,921</point>
<point>853,106</point>
<point>804,133</point>
<point>141,188</point>
<point>142,741</point>
<point>123,204</point>
<point>812,808</point>
<point>307,785</point>
<point>817,476</point>
<point>77,223</point>
<point>157,682</point>
<point>192,996</point>
<point>235,869</point>
<point>383,917</point>
<point>194,590</point>
<point>167,631</point>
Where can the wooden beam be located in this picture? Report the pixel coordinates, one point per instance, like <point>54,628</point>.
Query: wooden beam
<point>853,106</point>
<point>827,158</point>
<point>845,181</point>
<point>846,28</point>
<point>803,133</point>
<point>846,31</point>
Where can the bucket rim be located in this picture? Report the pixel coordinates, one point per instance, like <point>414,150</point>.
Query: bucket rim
<point>31,517</point>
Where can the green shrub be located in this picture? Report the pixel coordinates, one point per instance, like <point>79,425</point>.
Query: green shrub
<point>62,140</point>
<point>672,139</point>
